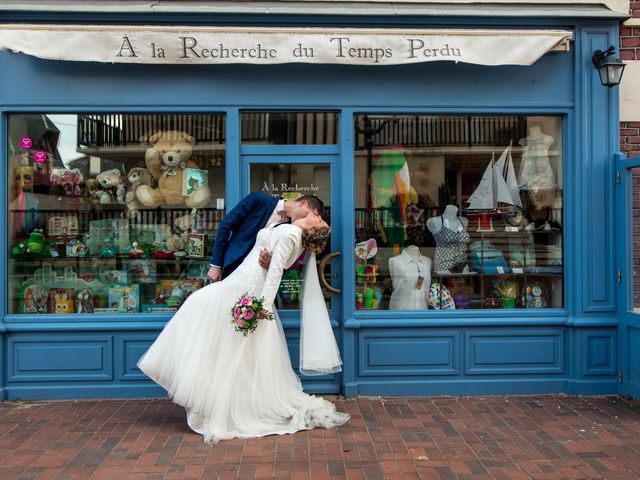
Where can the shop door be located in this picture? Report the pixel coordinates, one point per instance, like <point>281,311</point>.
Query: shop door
<point>628,238</point>
<point>290,175</point>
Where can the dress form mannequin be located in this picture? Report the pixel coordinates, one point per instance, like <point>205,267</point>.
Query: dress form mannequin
<point>450,233</point>
<point>410,276</point>
<point>535,169</point>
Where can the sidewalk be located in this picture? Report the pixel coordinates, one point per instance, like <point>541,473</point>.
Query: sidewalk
<point>511,438</point>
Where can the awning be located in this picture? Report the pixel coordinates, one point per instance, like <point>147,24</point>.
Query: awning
<point>266,46</point>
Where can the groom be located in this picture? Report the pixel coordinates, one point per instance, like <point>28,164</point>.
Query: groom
<point>238,230</point>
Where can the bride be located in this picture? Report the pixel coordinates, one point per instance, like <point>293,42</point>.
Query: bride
<point>235,386</point>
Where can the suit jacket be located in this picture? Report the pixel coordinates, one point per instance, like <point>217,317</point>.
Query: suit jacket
<point>238,230</point>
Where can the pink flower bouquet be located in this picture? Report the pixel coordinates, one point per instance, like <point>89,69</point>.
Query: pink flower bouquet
<point>246,313</point>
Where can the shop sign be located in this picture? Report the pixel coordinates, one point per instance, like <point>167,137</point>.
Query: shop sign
<point>209,45</point>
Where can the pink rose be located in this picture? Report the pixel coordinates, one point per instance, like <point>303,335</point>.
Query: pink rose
<point>248,315</point>
<point>246,301</point>
<point>240,322</point>
<point>236,312</point>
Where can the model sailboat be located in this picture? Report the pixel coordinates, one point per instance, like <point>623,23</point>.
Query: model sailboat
<point>498,185</point>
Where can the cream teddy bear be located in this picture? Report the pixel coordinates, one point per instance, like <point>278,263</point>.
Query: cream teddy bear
<point>112,188</point>
<point>167,159</point>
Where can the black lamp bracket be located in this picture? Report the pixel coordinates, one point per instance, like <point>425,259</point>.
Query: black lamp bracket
<point>599,55</point>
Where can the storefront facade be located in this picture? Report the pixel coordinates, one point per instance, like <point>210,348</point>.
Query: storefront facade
<point>474,206</point>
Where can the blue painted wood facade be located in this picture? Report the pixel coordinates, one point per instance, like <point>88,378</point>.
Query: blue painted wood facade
<point>571,350</point>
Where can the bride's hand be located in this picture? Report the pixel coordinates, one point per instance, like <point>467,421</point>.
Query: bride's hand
<point>263,315</point>
<point>265,258</point>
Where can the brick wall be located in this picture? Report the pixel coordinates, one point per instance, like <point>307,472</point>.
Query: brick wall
<point>630,138</point>
<point>630,50</point>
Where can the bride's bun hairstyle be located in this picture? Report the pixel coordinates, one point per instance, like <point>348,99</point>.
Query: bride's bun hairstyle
<point>316,241</point>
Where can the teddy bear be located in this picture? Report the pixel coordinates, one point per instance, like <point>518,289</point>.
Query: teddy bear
<point>137,176</point>
<point>180,239</point>
<point>167,159</point>
<point>112,188</point>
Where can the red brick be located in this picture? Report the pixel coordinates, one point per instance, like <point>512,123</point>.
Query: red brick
<point>631,42</point>
<point>627,54</point>
<point>632,140</point>
<point>626,31</point>
<point>632,124</point>
<point>629,131</point>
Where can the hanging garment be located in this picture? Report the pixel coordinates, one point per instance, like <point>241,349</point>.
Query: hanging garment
<point>451,247</point>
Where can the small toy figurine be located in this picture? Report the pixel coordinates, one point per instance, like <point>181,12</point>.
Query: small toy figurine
<point>84,301</point>
<point>135,250</point>
<point>35,242</point>
<point>108,248</point>
<point>176,298</point>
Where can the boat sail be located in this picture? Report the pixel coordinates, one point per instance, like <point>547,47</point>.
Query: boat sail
<point>497,185</point>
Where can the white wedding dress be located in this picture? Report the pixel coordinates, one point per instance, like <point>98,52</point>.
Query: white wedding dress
<point>230,385</point>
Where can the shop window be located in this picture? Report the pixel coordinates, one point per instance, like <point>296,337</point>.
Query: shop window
<point>112,213</point>
<point>289,128</point>
<point>458,212</point>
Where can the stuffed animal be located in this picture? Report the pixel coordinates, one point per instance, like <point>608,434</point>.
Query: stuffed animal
<point>182,226</point>
<point>137,176</point>
<point>91,190</point>
<point>112,189</point>
<point>167,159</point>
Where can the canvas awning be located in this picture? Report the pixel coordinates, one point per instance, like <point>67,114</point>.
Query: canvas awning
<point>253,45</point>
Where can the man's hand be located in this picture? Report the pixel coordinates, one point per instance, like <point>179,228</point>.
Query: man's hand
<point>265,258</point>
<point>214,274</point>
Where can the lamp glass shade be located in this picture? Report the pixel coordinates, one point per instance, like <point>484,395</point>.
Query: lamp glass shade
<point>610,71</point>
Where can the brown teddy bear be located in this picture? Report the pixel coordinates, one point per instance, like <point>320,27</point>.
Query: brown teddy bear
<point>137,176</point>
<point>112,189</point>
<point>166,159</point>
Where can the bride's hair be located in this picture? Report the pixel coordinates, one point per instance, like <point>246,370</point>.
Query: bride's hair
<point>317,240</point>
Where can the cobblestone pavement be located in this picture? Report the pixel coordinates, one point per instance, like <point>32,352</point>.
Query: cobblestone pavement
<point>541,437</point>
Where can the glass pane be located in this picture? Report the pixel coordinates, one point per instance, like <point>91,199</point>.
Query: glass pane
<point>289,128</point>
<point>635,205</point>
<point>101,212</point>
<point>459,212</point>
<point>292,181</point>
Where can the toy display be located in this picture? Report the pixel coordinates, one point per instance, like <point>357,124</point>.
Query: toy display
<point>124,298</point>
<point>61,300</point>
<point>167,159</point>
<point>197,244</point>
<point>111,187</point>
<point>84,301</point>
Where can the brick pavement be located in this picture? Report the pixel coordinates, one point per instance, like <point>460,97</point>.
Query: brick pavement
<point>542,437</point>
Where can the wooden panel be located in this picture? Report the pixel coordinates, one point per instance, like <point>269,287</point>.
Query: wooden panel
<point>521,352</point>
<point>58,358</point>
<point>409,353</point>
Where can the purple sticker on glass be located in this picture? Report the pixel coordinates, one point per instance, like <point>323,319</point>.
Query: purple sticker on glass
<point>40,156</point>
<point>26,143</point>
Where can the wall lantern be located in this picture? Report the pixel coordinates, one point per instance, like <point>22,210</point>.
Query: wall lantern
<point>609,66</point>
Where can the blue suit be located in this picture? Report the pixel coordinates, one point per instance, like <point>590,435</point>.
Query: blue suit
<point>238,230</point>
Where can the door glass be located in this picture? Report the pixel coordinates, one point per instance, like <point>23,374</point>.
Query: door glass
<point>291,182</point>
<point>635,206</point>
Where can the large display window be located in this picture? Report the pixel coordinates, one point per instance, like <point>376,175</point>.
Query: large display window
<point>458,212</point>
<point>112,213</point>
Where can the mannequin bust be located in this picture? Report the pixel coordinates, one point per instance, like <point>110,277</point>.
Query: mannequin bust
<point>450,233</point>
<point>410,277</point>
<point>536,136</point>
<point>449,219</point>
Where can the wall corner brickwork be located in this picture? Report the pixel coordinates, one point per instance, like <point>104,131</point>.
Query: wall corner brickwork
<point>630,51</point>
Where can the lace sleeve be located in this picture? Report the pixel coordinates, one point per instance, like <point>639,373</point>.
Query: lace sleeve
<point>286,243</point>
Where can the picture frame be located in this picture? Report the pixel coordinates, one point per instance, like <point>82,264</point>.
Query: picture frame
<point>193,179</point>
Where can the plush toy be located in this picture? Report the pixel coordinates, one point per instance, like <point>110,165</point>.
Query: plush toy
<point>91,189</point>
<point>182,226</point>
<point>167,159</point>
<point>112,189</point>
<point>137,176</point>
<point>84,301</point>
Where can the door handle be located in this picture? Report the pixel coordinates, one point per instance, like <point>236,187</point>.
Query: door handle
<point>323,264</point>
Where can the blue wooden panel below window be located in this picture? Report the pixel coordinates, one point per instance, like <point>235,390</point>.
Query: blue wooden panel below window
<point>599,356</point>
<point>522,352</point>
<point>408,352</point>
<point>47,358</point>
<point>131,348</point>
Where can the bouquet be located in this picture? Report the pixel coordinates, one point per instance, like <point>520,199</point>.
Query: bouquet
<point>246,313</point>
